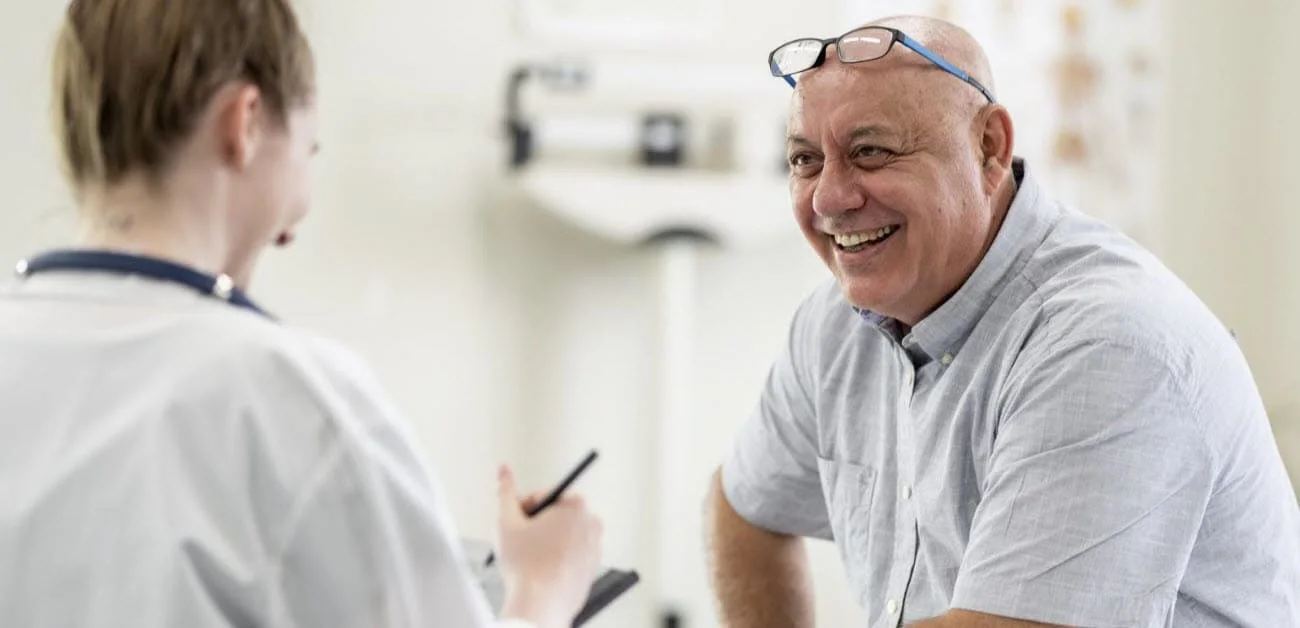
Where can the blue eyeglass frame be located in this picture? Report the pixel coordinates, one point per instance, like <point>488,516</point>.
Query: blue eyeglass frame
<point>896,36</point>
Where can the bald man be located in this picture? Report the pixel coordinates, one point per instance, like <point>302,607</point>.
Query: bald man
<point>1002,412</point>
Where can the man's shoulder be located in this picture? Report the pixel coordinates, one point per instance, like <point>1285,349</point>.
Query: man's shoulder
<point>1092,283</point>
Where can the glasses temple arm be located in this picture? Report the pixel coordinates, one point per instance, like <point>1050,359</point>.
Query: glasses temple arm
<point>943,63</point>
<point>983,90</point>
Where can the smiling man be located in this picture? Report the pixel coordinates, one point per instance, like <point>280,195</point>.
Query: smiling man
<point>1003,412</point>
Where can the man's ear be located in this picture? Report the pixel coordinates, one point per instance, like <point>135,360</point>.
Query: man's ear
<point>997,146</point>
<point>240,124</point>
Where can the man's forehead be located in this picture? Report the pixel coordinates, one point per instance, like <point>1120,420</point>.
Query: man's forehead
<point>864,106</point>
<point>881,81</point>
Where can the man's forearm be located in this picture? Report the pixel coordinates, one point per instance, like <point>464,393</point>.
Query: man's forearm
<point>972,619</point>
<point>759,578</point>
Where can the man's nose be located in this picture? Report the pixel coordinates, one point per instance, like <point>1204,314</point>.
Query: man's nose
<point>837,192</point>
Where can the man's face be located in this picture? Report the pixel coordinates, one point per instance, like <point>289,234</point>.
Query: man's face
<point>887,184</point>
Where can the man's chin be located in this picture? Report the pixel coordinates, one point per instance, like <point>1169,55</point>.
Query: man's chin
<point>867,295</point>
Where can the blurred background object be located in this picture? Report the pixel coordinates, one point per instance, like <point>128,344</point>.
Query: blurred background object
<point>527,305</point>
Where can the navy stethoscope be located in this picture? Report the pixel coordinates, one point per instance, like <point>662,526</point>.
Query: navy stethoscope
<point>220,287</point>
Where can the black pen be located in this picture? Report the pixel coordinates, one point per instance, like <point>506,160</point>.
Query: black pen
<point>555,494</point>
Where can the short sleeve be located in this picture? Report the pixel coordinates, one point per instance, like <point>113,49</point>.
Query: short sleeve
<point>1097,484</point>
<point>771,477</point>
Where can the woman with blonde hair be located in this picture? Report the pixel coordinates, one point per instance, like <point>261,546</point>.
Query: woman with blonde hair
<point>169,454</point>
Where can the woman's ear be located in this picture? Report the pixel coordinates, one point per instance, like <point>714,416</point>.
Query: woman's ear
<point>240,125</point>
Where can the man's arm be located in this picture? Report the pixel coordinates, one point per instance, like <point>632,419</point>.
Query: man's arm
<point>759,578</point>
<point>767,495</point>
<point>972,619</point>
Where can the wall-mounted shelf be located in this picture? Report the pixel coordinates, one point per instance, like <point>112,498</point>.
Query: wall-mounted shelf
<point>632,205</point>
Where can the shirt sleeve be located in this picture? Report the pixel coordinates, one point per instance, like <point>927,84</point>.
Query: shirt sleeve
<point>370,542</point>
<point>771,477</point>
<point>1097,484</point>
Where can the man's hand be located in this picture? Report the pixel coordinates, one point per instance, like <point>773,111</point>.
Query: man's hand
<point>759,578</point>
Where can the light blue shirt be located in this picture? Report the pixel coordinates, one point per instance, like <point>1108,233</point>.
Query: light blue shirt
<point>1072,438</point>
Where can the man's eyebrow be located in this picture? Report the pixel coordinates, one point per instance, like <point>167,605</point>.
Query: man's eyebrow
<point>872,131</point>
<point>795,138</point>
<point>869,132</point>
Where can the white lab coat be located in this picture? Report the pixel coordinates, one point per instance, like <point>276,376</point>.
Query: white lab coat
<point>169,460</point>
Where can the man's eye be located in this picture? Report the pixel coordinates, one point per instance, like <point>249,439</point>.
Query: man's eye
<point>870,152</point>
<point>800,160</point>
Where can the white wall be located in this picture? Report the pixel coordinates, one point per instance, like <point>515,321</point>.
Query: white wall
<point>1276,357</point>
<point>508,336</point>
<point>37,211</point>
<point>1230,184</point>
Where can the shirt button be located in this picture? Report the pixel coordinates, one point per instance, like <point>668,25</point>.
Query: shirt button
<point>907,492</point>
<point>892,607</point>
<point>946,359</point>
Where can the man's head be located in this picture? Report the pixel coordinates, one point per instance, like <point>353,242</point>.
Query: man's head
<point>210,95</point>
<point>900,172</point>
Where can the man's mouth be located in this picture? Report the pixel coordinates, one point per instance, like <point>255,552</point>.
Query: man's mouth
<point>861,240</point>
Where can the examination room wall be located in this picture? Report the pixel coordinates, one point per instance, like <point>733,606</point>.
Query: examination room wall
<point>506,335</point>
<point>1230,190</point>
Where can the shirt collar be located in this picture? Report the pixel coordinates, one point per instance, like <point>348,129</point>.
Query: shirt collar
<point>942,334</point>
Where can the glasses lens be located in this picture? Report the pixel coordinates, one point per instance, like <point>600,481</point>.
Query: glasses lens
<point>795,57</point>
<point>866,44</point>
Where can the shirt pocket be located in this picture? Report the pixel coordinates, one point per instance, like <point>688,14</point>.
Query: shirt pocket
<point>848,489</point>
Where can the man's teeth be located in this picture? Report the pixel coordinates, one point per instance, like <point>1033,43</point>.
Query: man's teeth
<point>853,239</point>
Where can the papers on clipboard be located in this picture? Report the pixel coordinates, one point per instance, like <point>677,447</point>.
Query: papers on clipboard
<point>609,585</point>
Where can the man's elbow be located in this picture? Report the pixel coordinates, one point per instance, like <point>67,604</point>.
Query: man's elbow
<point>715,503</point>
<point>723,520</point>
<point>719,514</point>
<point>972,619</point>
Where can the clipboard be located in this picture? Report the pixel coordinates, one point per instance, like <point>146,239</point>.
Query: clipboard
<point>607,588</point>
<point>610,585</point>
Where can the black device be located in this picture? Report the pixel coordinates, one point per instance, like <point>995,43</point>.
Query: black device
<point>558,75</point>
<point>606,589</point>
<point>663,139</point>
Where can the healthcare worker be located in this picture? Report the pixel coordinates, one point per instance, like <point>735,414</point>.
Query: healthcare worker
<point>170,455</point>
